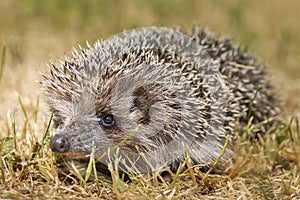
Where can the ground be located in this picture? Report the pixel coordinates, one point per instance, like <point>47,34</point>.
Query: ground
<point>32,32</point>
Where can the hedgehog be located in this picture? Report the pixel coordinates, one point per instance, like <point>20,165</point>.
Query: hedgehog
<point>150,96</point>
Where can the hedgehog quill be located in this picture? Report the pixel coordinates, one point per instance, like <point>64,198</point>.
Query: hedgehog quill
<point>156,93</point>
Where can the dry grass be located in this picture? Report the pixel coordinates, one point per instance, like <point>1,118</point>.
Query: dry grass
<point>32,31</point>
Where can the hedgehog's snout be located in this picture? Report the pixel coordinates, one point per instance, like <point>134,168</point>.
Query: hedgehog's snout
<point>60,144</point>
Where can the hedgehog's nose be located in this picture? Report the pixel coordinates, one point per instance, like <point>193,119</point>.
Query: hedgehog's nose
<point>60,144</point>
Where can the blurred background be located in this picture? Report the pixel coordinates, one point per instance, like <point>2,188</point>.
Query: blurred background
<point>34,31</point>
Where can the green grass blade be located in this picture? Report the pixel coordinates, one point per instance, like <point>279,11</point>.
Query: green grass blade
<point>90,166</point>
<point>2,62</point>
<point>252,102</point>
<point>218,159</point>
<point>37,109</point>
<point>22,107</point>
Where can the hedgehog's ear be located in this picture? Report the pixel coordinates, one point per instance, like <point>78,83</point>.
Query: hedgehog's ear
<point>141,97</point>
<point>142,102</point>
<point>146,95</point>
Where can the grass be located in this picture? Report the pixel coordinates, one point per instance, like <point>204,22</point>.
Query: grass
<point>31,32</point>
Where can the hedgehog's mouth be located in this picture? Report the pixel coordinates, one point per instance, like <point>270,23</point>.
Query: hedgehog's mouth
<point>75,155</point>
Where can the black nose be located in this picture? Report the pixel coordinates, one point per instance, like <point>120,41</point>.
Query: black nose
<point>60,144</point>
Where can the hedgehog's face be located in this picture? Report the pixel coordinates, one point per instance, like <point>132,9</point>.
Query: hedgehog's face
<point>128,111</point>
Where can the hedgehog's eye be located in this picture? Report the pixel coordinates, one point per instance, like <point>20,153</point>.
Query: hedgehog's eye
<point>108,120</point>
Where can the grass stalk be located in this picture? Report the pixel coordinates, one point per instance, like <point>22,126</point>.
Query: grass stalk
<point>2,61</point>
